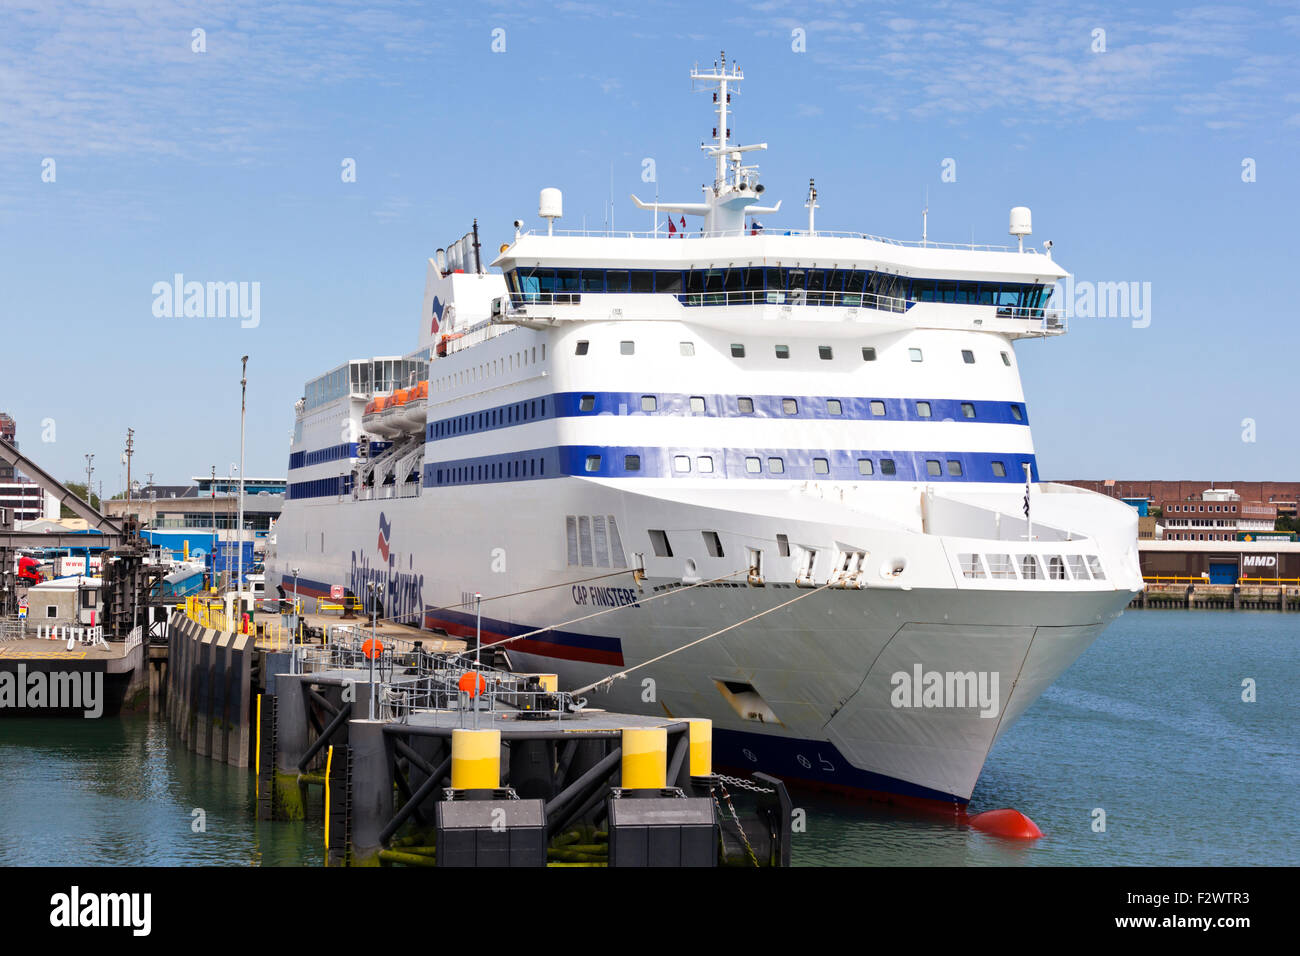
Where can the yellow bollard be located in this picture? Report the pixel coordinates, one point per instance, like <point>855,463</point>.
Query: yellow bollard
<point>475,759</point>
<point>645,758</point>
<point>701,737</point>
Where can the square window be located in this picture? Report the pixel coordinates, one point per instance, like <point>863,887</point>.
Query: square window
<point>789,406</point>
<point>682,463</point>
<point>697,403</point>
<point>783,545</point>
<point>586,403</point>
<point>705,464</point>
<point>868,354</point>
<point>923,409</point>
<point>1006,359</point>
<point>968,410</point>
<point>1017,414</point>
<point>821,466</point>
<point>626,348</point>
<point>649,403</point>
<point>824,353</point>
<point>954,468</point>
<point>783,351</point>
<point>737,350</point>
<point>632,462</point>
<point>753,465</point>
<point>968,356</point>
<point>999,470</point>
<point>746,406</point>
<point>688,348</point>
<point>776,466</point>
<point>581,348</point>
<point>914,354</point>
<point>833,406</point>
<point>593,463</point>
<point>932,468</point>
<point>865,467</point>
<point>659,541</point>
<point>878,408</point>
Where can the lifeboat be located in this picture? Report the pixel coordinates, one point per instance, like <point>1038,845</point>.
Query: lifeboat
<point>374,421</point>
<point>417,397</point>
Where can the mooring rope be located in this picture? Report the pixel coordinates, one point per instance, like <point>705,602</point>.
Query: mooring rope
<point>622,675</point>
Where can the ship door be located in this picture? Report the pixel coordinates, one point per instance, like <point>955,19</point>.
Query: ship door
<point>88,606</point>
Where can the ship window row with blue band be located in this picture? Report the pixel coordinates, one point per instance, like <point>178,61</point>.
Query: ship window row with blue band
<point>320,487</point>
<point>529,284</point>
<point>305,459</point>
<point>602,461</point>
<point>579,404</point>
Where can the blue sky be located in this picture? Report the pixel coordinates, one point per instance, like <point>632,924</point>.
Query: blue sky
<point>225,166</point>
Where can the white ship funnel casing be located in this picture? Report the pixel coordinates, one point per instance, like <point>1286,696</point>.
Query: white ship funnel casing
<point>467,295</point>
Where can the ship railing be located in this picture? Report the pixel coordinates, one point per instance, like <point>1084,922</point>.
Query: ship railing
<point>663,233</point>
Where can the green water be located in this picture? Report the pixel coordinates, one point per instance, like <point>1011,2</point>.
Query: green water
<point>1148,725</point>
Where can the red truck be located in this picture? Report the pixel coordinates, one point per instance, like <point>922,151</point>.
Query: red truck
<point>29,571</point>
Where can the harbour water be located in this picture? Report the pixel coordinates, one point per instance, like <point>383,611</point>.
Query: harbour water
<point>1148,726</point>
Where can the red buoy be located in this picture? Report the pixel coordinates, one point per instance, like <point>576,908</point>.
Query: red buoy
<point>1006,823</point>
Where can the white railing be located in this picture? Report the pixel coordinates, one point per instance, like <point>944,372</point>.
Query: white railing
<point>663,233</point>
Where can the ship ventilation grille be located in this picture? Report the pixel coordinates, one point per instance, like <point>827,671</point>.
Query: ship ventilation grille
<point>593,541</point>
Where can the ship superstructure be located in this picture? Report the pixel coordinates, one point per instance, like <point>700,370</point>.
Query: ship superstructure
<point>688,428</point>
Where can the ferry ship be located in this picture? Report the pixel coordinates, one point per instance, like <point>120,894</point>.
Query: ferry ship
<point>690,428</point>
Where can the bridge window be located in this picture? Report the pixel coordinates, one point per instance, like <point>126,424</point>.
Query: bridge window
<point>776,466</point>
<point>753,466</point>
<point>783,351</point>
<point>821,466</point>
<point>868,354</point>
<point>914,354</point>
<point>682,463</point>
<point>593,463</point>
<point>824,353</point>
<point>642,281</point>
<point>668,282</point>
<point>746,406</point>
<point>737,350</point>
<point>878,408</point>
<point>789,406</point>
<point>626,347</point>
<point>932,468</point>
<point>865,467</point>
<point>687,348</point>
<point>649,403</point>
<point>586,403</point>
<point>833,406</point>
<point>705,464</point>
<point>923,409</point>
<point>632,462</point>
<point>999,470</point>
<point>968,356</point>
<point>581,347</point>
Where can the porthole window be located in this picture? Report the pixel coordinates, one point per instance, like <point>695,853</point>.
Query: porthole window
<point>865,466</point>
<point>582,346</point>
<point>868,354</point>
<point>821,466</point>
<point>824,353</point>
<point>746,406</point>
<point>681,463</point>
<point>687,348</point>
<point>923,409</point>
<point>878,409</point>
<point>914,354</point>
<point>705,464</point>
<point>967,410</point>
<point>587,403</point>
<point>968,356</point>
<point>1006,359</point>
<point>737,350</point>
<point>833,406</point>
<point>776,466</point>
<point>627,348</point>
<point>649,403</point>
<point>789,406</point>
<point>783,351</point>
<point>932,468</point>
<point>697,404</point>
<point>887,466</point>
<point>753,465</point>
<point>999,470</point>
<point>632,462</point>
<point>1017,414</point>
<point>593,463</point>
<point>954,469</point>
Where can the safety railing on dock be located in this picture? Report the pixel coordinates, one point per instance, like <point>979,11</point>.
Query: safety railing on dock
<point>267,634</point>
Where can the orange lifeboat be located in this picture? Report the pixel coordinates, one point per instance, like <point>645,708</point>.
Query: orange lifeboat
<point>374,420</point>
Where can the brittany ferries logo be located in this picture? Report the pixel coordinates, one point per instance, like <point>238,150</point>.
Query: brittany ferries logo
<point>438,306</point>
<point>385,531</point>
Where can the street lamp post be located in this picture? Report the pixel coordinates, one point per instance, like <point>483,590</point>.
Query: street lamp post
<point>239,531</point>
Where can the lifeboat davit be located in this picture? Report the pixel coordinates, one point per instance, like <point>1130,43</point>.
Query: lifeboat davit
<point>404,413</point>
<point>374,419</point>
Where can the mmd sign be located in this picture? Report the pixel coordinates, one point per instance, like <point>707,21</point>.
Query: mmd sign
<point>1259,560</point>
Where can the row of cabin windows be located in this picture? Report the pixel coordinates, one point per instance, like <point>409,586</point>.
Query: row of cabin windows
<point>476,373</point>
<point>790,406</point>
<point>825,352</point>
<point>776,465</point>
<point>526,284</point>
<point>493,471</point>
<point>1201,508</point>
<point>508,415</point>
